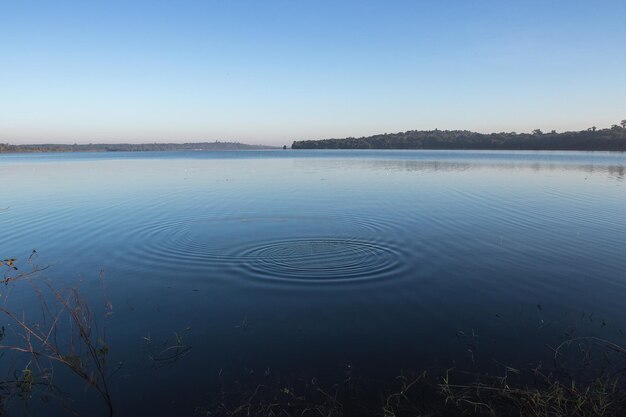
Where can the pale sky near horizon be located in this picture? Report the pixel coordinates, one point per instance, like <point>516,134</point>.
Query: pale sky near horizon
<point>276,71</point>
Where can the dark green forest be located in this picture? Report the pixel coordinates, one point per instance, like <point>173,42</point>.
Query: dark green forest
<point>592,139</point>
<point>130,147</point>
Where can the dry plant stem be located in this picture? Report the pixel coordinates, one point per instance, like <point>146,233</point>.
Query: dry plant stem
<point>617,348</point>
<point>40,339</point>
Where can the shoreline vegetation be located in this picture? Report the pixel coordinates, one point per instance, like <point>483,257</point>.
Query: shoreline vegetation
<point>592,139</point>
<point>583,378</point>
<point>131,147</point>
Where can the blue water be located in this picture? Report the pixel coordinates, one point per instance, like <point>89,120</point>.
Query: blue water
<point>313,262</point>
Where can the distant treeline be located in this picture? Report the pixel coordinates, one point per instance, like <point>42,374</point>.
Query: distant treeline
<point>612,139</point>
<point>131,147</point>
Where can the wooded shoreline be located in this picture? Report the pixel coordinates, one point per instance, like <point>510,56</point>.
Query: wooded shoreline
<point>610,139</point>
<point>592,139</point>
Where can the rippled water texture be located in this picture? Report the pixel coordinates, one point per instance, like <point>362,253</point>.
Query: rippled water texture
<point>309,262</point>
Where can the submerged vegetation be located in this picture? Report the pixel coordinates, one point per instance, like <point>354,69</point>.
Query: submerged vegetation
<point>583,388</point>
<point>592,139</point>
<point>584,378</point>
<point>67,337</point>
<point>424,394</point>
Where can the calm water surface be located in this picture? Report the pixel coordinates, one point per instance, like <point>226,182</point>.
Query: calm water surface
<point>314,262</point>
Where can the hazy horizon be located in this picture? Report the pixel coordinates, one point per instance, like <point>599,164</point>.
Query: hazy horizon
<point>256,143</point>
<point>272,73</point>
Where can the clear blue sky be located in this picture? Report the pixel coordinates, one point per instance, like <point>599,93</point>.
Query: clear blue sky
<point>274,71</point>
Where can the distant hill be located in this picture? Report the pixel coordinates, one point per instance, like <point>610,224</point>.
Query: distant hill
<point>612,139</point>
<point>132,147</point>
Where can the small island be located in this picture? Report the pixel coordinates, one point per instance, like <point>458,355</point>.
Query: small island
<point>592,139</point>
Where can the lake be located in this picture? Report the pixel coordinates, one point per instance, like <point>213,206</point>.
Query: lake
<point>320,264</point>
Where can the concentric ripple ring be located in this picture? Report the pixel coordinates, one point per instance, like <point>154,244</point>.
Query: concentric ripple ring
<point>320,260</point>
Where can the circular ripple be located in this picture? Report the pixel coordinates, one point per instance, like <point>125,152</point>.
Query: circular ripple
<point>321,260</point>
<point>350,253</point>
<point>188,243</point>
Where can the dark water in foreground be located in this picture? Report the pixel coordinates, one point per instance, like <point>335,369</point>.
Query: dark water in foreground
<point>314,262</point>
